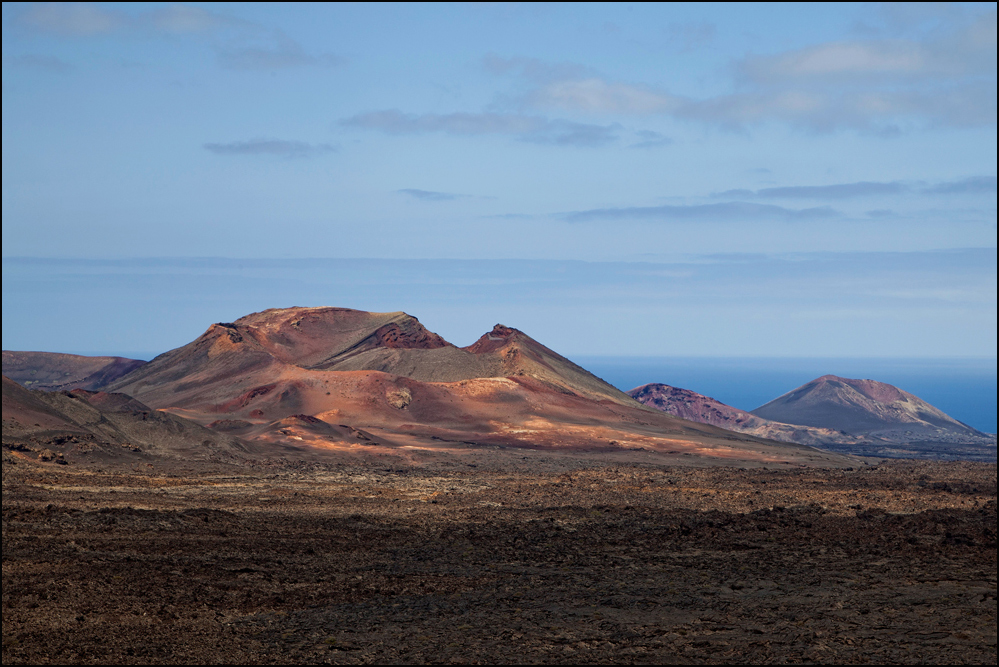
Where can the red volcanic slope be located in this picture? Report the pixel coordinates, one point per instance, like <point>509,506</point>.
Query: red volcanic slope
<point>864,407</point>
<point>53,371</point>
<point>340,339</point>
<point>385,376</point>
<point>696,407</point>
<point>693,406</point>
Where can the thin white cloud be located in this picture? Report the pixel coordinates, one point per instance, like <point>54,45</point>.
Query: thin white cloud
<point>272,147</point>
<point>534,129</point>
<point>884,112</point>
<point>429,195</point>
<point>73,19</point>
<point>880,86</point>
<point>87,19</point>
<point>722,212</point>
<point>37,62</point>
<point>965,50</point>
<point>894,58</point>
<point>971,185</point>
<point>574,87</point>
<point>597,95</point>
<point>834,191</point>
<point>879,111</point>
<point>239,44</point>
<point>281,52</point>
<point>181,19</point>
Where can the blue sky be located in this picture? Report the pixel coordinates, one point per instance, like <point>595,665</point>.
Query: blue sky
<point>816,168</point>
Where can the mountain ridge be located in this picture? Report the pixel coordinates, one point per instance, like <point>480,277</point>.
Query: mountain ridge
<point>341,339</point>
<point>388,377</point>
<point>58,371</point>
<point>863,417</point>
<point>693,406</point>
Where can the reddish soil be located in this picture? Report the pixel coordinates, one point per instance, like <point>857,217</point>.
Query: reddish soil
<point>492,341</point>
<point>396,337</point>
<point>864,407</point>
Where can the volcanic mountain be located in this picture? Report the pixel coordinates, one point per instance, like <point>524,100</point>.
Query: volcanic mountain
<point>866,407</point>
<point>383,377</point>
<point>52,371</point>
<point>341,339</point>
<point>695,407</point>
<point>113,427</point>
<point>861,417</point>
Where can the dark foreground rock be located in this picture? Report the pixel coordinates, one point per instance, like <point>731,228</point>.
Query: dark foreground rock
<point>895,563</point>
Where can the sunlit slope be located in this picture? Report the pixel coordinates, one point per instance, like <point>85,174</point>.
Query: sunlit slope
<point>340,339</point>
<point>386,376</point>
<point>864,407</point>
<point>696,407</point>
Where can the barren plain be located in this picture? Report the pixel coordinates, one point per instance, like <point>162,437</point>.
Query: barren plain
<point>497,556</point>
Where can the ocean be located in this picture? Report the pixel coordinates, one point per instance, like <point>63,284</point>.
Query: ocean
<point>963,388</point>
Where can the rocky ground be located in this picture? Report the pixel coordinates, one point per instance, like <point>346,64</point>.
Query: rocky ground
<point>562,561</point>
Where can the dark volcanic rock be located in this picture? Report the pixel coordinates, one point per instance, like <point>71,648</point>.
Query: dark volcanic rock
<point>894,564</point>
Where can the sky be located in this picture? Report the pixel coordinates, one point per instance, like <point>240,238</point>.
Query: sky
<point>706,180</point>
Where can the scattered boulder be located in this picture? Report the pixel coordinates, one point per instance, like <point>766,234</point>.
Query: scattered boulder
<point>399,399</point>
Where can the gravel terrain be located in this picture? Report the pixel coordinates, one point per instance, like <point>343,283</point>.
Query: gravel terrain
<point>561,561</point>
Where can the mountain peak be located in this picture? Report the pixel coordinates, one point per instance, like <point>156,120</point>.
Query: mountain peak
<point>860,407</point>
<point>493,340</point>
<point>318,337</point>
<point>695,407</point>
<point>279,349</point>
<point>880,392</point>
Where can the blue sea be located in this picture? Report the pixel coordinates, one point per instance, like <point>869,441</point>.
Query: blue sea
<point>963,388</point>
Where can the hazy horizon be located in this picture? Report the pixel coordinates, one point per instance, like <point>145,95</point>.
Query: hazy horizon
<point>804,305</point>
